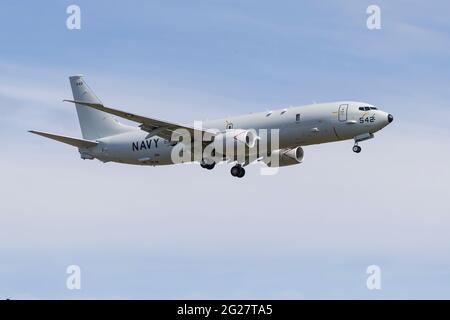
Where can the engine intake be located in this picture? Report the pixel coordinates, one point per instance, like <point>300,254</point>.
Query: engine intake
<point>285,157</point>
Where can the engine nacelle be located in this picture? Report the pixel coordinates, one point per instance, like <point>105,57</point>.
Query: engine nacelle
<point>86,156</point>
<point>285,157</point>
<point>235,137</point>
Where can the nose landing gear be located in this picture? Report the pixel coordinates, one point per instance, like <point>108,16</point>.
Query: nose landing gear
<point>362,137</point>
<point>237,171</point>
<point>356,148</point>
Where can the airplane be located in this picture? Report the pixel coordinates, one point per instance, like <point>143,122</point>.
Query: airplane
<point>153,142</point>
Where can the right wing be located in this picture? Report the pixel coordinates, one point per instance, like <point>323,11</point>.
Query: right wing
<point>164,129</point>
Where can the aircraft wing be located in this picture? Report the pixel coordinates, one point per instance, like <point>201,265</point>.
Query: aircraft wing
<point>153,126</point>
<point>80,143</point>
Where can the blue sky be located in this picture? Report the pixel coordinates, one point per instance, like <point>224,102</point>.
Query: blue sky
<point>182,232</point>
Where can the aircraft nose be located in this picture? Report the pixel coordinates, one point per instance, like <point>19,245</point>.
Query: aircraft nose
<point>390,118</point>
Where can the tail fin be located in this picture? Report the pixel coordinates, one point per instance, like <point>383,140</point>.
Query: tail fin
<point>94,124</point>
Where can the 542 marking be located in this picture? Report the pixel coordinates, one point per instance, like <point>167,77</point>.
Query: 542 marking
<point>367,119</point>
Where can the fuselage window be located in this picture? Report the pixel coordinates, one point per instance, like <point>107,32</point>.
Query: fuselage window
<point>297,117</point>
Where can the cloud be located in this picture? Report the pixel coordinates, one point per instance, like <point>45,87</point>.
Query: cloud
<point>378,199</point>
<point>129,205</point>
<point>34,94</point>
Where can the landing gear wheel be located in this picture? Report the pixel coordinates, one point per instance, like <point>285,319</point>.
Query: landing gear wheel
<point>208,166</point>
<point>356,149</point>
<point>235,171</point>
<point>241,172</point>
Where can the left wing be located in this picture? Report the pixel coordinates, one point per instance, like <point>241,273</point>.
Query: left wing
<point>76,142</point>
<point>164,129</point>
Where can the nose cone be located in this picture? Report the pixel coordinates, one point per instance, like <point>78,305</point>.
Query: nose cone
<point>390,118</point>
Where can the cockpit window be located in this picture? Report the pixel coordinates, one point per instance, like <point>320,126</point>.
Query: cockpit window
<point>367,108</point>
<point>373,108</point>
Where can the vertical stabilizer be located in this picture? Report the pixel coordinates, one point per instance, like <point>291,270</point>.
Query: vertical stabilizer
<point>94,124</point>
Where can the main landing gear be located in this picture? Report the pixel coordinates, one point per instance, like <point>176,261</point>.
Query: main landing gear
<point>209,166</point>
<point>237,171</point>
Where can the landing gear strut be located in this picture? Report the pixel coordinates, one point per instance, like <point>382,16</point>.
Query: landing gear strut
<point>356,148</point>
<point>237,171</point>
<point>361,137</point>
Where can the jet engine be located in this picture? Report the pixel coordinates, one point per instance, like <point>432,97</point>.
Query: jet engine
<point>285,157</point>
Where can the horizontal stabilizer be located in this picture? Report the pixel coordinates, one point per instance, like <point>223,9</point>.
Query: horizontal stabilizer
<point>80,143</point>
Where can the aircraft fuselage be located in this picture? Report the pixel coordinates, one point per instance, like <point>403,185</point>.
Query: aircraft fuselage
<point>298,126</point>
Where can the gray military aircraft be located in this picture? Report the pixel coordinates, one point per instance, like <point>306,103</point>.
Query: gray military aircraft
<point>234,139</point>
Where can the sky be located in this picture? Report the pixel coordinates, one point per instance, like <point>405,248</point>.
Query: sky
<point>175,232</point>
